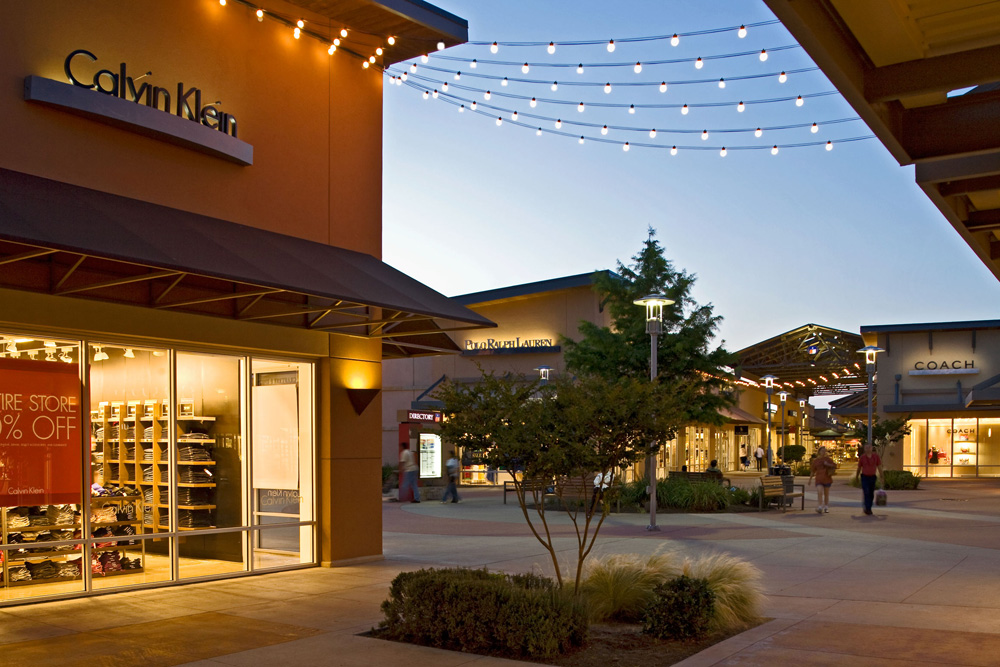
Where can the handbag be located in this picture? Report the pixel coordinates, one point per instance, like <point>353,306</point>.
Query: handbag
<point>881,497</point>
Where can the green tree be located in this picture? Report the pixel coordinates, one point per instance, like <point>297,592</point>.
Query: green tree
<point>685,353</point>
<point>561,434</point>
<point>885,432</point>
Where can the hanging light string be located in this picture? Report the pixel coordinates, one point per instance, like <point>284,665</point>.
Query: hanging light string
<point>627,40</point>
<point>434,84</point>
<point>494,109</point>
<point>673,148</point>
<point>644,63</point>
<point>613,84</point>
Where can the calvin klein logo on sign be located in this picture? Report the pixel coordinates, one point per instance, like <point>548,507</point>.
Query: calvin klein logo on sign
<point>187,103</point>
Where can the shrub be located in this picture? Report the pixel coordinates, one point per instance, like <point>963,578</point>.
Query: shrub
<point>709,497</point>
<point>736,586</point>
<point>900,479</point>
<point>754,499</point>
<point>793,453</point>
<point>682,608</point>
<point>674,492</point>
<point>387,472</point>
<point>801,469</point>
<point>620,587</point>
<point>480,612</point>
<point>632,495</point>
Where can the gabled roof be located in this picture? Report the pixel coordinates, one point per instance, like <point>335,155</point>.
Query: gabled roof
<point>529,289</point>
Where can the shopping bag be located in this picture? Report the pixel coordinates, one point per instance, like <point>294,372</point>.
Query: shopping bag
<point>881,497</point>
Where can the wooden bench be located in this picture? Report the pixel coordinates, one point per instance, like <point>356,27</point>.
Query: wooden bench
<point>700,477</point>
<point>776,487</point>
<point>564,488</point>
<point>531,487</point>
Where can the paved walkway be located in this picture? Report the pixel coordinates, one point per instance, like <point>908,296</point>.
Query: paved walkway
<point>915,584</point>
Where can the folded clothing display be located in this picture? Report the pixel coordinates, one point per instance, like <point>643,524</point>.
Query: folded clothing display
<point>147,433</point>
<point>17,517</point>
<point>189,452</point>
<point>130,433</point>
<point>147,495</point>
<point>70,568</point>
<point>106,514</point>
<point>147,474</point>
<point>19,573</point>
<point>194,518</point>
<point>188,496</point>
<point>129,451</point>
<point>193,475</point>
<point>45,569</point>
<point>147,452</point>
<point>147,515</point>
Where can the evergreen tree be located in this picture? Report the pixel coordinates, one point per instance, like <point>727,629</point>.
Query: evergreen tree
<point>685,356</point>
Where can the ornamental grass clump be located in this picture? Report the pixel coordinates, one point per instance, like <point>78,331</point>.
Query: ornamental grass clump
<point>736,586</point>
<point>620,587</point>
<point>476,611</point>
<point>682,608</point>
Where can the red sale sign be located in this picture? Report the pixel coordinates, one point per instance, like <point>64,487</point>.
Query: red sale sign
<point>41,449</point>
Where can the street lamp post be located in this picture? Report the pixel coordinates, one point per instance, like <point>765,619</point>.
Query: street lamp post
<point>654,304</point>
<point>543,373</point>
<point>870,351</point>
<point>783,395</point>
<point>769,386</point>
<point>802,423</point>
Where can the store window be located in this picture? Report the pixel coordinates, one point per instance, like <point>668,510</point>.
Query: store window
<point>989,447</point>
<point>938,452</point>
<point>965,447</point>
<point>915,449</point>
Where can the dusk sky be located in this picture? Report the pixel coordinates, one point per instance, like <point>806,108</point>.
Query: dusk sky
<point>842,238</point>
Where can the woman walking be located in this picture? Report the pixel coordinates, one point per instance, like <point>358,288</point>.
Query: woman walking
<point>870,471</point>
<point>822,468</point>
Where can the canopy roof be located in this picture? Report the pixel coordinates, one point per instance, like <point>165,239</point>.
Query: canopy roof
<point>906,67</point>
<point>810,360</point>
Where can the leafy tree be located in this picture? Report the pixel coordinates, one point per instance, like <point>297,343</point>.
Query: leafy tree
<point>560,435</point>
<point>792,453</point>
<point>885,432</point>
<point>685,353</point>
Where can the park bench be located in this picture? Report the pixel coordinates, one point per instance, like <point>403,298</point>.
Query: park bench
<point>564,488</point>
<point>776,487</point>
<point>700,477</point>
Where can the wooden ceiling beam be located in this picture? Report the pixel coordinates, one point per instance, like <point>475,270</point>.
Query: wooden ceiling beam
<point>938,74</point>
<point>969,124</point>
<point>982,221</point>
<point>970,185</point>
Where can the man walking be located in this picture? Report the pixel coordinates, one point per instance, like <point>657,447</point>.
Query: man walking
<point>870,471</point>
<point>409,469</point>
<point>452,465</point>
<point>759,456</point>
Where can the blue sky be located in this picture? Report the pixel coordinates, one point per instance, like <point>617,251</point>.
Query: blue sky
<point>841,238</point>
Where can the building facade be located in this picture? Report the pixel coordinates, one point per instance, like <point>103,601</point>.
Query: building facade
<point>193,312</point>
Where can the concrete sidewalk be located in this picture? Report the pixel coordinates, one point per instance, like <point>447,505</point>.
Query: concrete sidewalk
<point>914,584</point>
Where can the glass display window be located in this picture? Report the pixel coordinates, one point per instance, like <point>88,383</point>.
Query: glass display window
<point>989,447</point>
<point>915,450</point>
<point>965,447</point>
<point>938,453</point>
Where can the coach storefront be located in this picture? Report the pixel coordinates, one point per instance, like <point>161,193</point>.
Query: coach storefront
<point>946,378</point>
<point>193,312</point>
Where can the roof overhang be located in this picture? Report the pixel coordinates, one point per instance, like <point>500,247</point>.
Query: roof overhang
<point>71,241</point>
<point>896,63</point>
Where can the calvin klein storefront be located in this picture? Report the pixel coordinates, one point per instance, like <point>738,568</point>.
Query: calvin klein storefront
<point>944,377</point>
<point>193,314</point>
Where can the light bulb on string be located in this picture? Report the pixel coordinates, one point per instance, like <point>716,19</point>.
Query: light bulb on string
<point>580,107</point>
<point>513,116</point>
<point>487,95</point>
<point>684,110</point>
<point>675,40</point>
<point>829,145</point>
<point>343,32</point>
<point>625,147</point>
<point>424,58</point>
<point>552,48</point>
<point>434,94</point>
<point>722,83</point>
<point>533,103</point>
<point>604,130</point>
<point>444,87</point>
<point>740,107</point>
<point>558,123</point>
<point>652,133</point>
<point>579,68</point>
<point>554,87</point>
<point>494,47</point>
<point>782,77</point>
<point>426,94</point>
<point>637,68</point>
<point>607,87</point>
<point>742,32</point>
<point>763,55</point>
<point>461,109</point>
<point>336,41</point>
<point>673,150</point>
<point>458,76</point>
<point>474,105</point>
<point>699,63</point>
<point>538,132</point>
<point>663,86</point>
<point>404,76</point>
<point>413,67</point>
<point>723,152</point>
<point>631,108</point>
<point>378,51</point>
<point>611,46</point>
<point>580,140</point>
<point>391,40</point>
<point>504,82</point>
<point>799,101</point>
<point>758,132</point>
<point>300,24</point>
<point>814,129</point>
<point>440,46</point>
<point>371,59</point>
<point>473,64</point>
<point>331,49</point>
<point>129,354</point>
<point>499,121</point>
<point>260,15</point>
<point>774,150</point>
<point>524,68</point>
<point>297,33</point>
<point>704,135</point>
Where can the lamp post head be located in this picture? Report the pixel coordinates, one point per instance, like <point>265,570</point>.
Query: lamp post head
<point>543,372</point>
<point>654,304</point>
<point>783,395</point>
<point>870,351</point>
<point>802,403</point>
<point>769,381</point>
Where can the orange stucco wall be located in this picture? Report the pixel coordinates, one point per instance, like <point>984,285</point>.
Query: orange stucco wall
<point>314,120</point>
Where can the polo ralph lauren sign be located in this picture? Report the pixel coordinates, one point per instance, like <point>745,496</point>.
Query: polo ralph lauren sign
<point>115,98</point>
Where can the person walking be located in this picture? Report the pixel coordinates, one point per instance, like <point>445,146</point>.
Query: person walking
<point>759,456</point>
<point>822,467</point>
<point>451,465</point>
<point>870,471</point>
<point>409,468</point>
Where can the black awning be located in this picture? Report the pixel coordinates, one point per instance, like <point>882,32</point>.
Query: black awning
<point>109,247</point>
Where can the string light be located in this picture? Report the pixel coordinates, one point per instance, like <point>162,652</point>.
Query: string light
<point>487,95</point>
<point>799,101</point>
<point>652,133</point>
<point>513,116</point>
<point>740,107</point>
<point>434,94</point>
<point>336,41</point>
<point>423,58</point>
<point>625,147</point>
<point>440,46</point>
<point>538,132</point>
<point>814,129</point>
<point>378,51</point>
<point>391,40</point>
<point>533,102</point>
<point>404,76</point>
<point>331,49</point>
<point>458,76</point>
<point>474,105</point>
<point>300,24</point>
<point>704,135</point>
<point>763,55</point>
<point>581,139</point>
<point>742,32</point>
<point>631,108</point>
<point>444,87</point>
<point>684,110</point>
<point>580,107</point>
<point>782,77</point>
<point>604,130</point>
<point>343,32</point>
<point>673,150</point>
<point>698,64</point>
<point>723,152</point>
<point>675,40</point>
<point>722,83</point>
<point>260,15</point>
<point>297,32</point>
<point>413,67</point>
<point>829,145</point>
<point>579,68</point>
<point>555,86</point>
<point>758,132</point>
<point>552,48</point>
<point>461,109</point>
<point>473,63</point>
<point>774,150</point>
<point>638,68</point>
<point>494,47</point>
<point>504,82</point>
<point>371,59</point>
<point>663,86</point>
<point>611,46</point>
<point>558,123</point>
<point>607,87</point>
<point>524,68</point>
